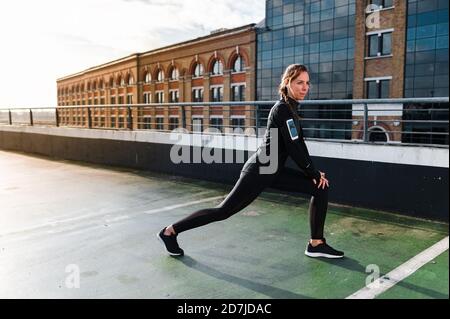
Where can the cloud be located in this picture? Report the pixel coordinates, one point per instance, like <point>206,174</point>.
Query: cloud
<point>49,39</point>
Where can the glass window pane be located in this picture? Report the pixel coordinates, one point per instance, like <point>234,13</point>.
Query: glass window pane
<point>372,90</point>
<point>387,38</point>
<point>385,89</point>
<point>373,45</point>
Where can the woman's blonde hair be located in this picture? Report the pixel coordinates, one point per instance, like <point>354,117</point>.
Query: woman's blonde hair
<point>291,72</point>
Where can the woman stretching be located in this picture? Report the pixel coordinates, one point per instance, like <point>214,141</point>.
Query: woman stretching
<point>283,128</point>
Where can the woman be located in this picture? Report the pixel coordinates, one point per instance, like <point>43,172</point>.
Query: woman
<point>283,128</point>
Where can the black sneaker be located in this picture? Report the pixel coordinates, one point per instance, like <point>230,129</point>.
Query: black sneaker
<point>170,243</point>
<point>323,250</point>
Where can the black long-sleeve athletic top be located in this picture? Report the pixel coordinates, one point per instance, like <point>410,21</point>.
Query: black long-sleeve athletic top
<point>290,141</point>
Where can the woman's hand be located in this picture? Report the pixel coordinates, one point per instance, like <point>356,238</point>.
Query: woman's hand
<point>322,182</point>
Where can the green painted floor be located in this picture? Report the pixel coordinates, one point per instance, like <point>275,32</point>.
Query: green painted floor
<point>61,219</point>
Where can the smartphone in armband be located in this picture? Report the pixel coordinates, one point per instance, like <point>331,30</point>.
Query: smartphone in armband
<point>292,129</point>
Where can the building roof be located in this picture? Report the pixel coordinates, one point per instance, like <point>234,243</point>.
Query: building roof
<point>213,35</point>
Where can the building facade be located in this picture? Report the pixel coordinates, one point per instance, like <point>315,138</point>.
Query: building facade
<point>366,49</point>
<point>215,68</point>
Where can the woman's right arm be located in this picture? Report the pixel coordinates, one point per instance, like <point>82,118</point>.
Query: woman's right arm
<point>294,143</point>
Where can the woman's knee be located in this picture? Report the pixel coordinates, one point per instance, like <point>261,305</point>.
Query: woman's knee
<point>221,213</point>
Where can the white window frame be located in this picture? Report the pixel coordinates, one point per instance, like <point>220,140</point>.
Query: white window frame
<point>214,87</point>
<point>232,85</point>
<point>175,90</point>
<point>197,88</point>
<point>243,69</point>
<point>148,77</point>
<point>157,96</point>
<point>201,75</point>
<point>177,73</point>
<point>218,74</point>
<point>158,80</point>
<point>156,121</point>
<point>194,117</point>
<point>379,33</point>
<point>149,97</point>
<point>128,95</point>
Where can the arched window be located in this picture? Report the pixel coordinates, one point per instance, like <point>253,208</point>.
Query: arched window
<point>100,84</point>
<point>160,76</point>
<point>94,85</point>
<point>89,86</point>
<point>239,64</point>
<point>130,80</point>
<point>198,71</point>
<point>111,82</point>
<point>175,74</point>
<point>217,68</point>
<point>122,81</point>
<point>148,77</point>
<point>377,135</point>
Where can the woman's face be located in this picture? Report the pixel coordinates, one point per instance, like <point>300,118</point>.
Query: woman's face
<point>300,86</point>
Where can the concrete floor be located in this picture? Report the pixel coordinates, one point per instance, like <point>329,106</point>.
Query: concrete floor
<point>73,230</point>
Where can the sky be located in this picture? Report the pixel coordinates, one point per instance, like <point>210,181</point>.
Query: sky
<point>48,39</point>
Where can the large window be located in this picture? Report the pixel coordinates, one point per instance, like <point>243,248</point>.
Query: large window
<point>380,44</point>
<point>148,77</point>
<point>160,76</point>
<point>159,96</point>
<point>147,98</point>
<point>378,89</point>
<point>197,95</point>
<point>426,63</point>
<point>238,92</point>
<point>217,68</point>
<point>216,123</point>
<point>383,3</point>
<point>174,96</point>
<point>130,99</point>
<point>198,70</point>
<point>217,94</point>
<point>318,34</point>
<point>197,124</point>
<point>159,122</point>
<point>238,124</point>
<point>175,74</point>
<point>173,123</point>
<point>239,64</point>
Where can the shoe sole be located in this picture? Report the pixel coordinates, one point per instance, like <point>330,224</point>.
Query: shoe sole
<point>164,245</point>
<point>315,255</point>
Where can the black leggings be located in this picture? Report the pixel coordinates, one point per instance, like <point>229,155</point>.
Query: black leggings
<point>249,186</point>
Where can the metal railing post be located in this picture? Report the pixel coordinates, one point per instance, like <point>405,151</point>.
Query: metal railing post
<point>256,119</point>
<point>10,117</point>
<point>130,117</point>
<point>183,117</point>
<point>31,117</point>
<point>57,117</point>
<point>366,123</point>
<point>89,117</point>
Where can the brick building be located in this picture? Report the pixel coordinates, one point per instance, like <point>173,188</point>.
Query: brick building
<point>215,68</point>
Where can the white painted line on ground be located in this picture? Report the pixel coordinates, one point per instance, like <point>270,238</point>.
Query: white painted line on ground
<point>383,283</point>
<point>157,210</point>
<point>53,224</point>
